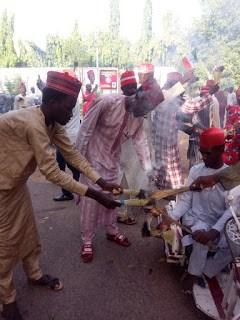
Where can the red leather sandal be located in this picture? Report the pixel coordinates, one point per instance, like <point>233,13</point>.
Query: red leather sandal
<point>119,239</point>
<point>87,253</point>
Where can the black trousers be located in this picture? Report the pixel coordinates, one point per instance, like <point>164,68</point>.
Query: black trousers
<point>62,165</point>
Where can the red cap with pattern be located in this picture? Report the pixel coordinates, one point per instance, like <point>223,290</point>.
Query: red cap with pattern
<point>212,137</point>
<point>63,82</point>
<point>128,77</point>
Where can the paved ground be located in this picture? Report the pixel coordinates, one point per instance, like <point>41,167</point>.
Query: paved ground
<point>121,283</point>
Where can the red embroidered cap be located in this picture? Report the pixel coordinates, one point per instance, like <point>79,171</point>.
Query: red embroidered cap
<point>128,77</point>
<point>63,82</point>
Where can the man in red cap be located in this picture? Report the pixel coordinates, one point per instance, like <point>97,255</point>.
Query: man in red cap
<point>229,177</point>
<point>205,213</point>
<point>111,120</point>
<point>26,139</point>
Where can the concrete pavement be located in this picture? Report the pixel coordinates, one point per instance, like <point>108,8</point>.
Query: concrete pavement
<point>121,283</point>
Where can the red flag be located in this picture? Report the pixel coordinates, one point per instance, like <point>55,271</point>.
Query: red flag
<point>186,63</point>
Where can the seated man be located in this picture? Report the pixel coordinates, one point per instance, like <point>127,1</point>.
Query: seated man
<point>206,212</point>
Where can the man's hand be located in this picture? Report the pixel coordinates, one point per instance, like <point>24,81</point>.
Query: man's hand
<point>204,182</point>
<point>100,197</point>
<point>111,187</point>
<point>204,237</point>
<point>213,89</point>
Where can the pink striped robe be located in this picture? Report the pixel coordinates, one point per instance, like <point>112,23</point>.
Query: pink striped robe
<point>100,138</point>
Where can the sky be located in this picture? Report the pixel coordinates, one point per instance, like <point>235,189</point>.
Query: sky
<point>35,19</point>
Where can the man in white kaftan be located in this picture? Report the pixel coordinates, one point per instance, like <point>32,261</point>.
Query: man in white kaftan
<point>206,212</point>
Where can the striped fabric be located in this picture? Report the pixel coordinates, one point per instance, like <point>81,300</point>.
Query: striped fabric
<point>168,171</point>
<point>104,129</point>
<point>196,105</point>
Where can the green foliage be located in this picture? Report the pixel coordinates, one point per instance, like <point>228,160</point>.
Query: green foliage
<point>147,21</point>
<point>55,51</point>
<point>215,35</point>
<point>8,55</point>
<point>30,55</point>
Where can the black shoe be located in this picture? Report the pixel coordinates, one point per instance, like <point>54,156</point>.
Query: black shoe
<point>63,197</point>
<point>11,312</point>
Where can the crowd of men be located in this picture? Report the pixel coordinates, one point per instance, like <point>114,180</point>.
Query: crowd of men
<point>50,136</point>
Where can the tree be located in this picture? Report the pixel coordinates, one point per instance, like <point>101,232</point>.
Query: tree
<point>114,25</point>
<point>8,56</point>
<point>30,55</point>
<point>54,51</point>
<point>74,49</point>
<point>216,36</point>
<point>143,50</point>
<point>147,21</point>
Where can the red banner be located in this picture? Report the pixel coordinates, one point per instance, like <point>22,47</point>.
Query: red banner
<point>108,79</point>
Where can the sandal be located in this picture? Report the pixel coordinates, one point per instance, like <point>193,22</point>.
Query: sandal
<point>128,221</point>
<point>87,253</point>
<point>47,281</point>
<point>119,239</point>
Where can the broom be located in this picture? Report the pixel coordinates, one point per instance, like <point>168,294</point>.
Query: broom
<point>135,202</point>
<point>161,194</point>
